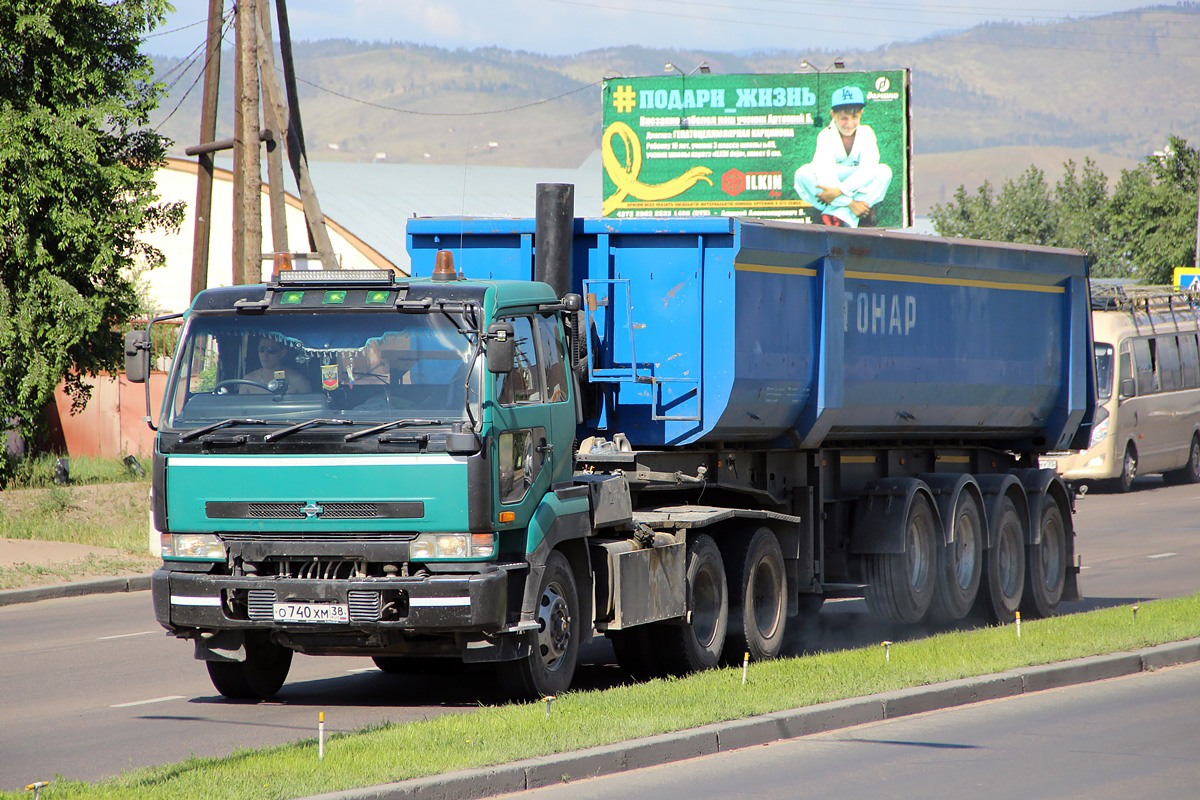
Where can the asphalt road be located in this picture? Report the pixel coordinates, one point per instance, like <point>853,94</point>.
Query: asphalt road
<point>1111,740</point>
<point>92,686</point>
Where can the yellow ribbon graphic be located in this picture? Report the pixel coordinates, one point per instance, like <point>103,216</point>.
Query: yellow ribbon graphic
<point>625,176</point>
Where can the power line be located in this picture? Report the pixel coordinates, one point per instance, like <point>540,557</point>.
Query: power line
<point>449,113</point>
<point>199,73</point>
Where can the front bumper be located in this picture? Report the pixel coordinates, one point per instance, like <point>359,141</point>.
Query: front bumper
<point>429,604</point>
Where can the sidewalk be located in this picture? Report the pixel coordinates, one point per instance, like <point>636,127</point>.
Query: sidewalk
<point>21,551</point>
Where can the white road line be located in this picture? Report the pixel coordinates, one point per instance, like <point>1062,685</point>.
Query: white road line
<point>124,636</point>
<point>148,702</point>
<point>1162,555</point>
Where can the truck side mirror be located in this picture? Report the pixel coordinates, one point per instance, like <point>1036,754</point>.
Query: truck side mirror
<point>1127,388</point>
<point>501,348</point>
<point>572,302</point>
<point>137,356</point>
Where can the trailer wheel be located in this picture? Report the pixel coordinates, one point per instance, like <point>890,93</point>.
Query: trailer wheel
<point>900,585</point>
<point>758,597</point>
<point>1003,579</point>
<point>1046,564</point>
<point>959,562</point>
<point>259,677</point>
<point>548,669</point>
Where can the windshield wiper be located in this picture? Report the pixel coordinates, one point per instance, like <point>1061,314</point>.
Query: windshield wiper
<point>225,423</point>
<point>299,426</point>
<point>387,426</point>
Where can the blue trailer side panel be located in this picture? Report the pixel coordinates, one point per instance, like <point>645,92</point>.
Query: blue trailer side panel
<point>743,330</point>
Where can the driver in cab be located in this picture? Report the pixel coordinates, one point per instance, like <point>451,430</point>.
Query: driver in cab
<point>271,354</point>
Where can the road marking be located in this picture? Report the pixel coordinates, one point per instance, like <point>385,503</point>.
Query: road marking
<point>1162,555</point>
<point>124,636</point>
<point>148,702</point>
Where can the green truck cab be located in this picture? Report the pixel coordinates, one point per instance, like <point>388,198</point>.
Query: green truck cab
<point>348,463</point>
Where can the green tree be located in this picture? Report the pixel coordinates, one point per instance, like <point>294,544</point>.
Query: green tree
<point>76,187</point>
<point>1153,213</point>
<point>1146,228</point>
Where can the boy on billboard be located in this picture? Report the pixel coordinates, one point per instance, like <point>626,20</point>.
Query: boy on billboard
<point>844,181</point>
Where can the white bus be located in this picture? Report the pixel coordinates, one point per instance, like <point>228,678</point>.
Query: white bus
<point>1147,389</point>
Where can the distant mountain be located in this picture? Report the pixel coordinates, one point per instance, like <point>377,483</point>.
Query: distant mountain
<point>987,102</point>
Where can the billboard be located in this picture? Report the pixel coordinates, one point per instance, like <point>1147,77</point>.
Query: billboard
<point>830,147</point>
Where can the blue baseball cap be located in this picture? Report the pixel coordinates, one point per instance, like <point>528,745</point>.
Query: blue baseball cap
<point>847,96</point>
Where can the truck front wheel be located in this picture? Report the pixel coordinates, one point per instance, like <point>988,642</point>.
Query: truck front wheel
<point>550,665</point>
<point>259,677</point>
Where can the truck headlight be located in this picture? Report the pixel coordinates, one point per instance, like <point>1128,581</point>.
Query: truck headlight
<point>428,546</point>
<point>193,546</point>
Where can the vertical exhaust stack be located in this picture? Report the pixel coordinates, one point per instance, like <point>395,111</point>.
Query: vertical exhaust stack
<point>553,235</point>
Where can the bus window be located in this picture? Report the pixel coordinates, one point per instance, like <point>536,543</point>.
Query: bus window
<point>1189,359</point>
<point>1144,362</point>
<point>1169,378</point>
<point>1125,380</point>
<point>1104,371</point>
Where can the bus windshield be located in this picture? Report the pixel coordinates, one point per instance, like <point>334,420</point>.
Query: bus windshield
<point>1104,371</point>
<point>290,368</point>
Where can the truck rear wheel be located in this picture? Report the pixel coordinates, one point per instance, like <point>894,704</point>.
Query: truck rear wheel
<point>758,597</point>
<point>550,666</point>
<point>1046,564</point>
<point>959,562</point>
<point>1003,579</point>
<point>259,677</point>
<point>900,585</point>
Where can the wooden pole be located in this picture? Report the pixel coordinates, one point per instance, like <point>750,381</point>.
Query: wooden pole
<point>239,190</point>
<point>266,59</point>
<point>208,131</point>
<point>251,166</point>
<point>318,236</point>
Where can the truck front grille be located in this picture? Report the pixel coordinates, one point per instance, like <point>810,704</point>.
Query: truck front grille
<point>337,509</point>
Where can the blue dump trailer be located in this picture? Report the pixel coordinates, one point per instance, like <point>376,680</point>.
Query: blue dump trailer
<point>680,434</point>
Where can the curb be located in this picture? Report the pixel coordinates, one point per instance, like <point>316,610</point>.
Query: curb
<point>721,737</point>
<point>130,583</point>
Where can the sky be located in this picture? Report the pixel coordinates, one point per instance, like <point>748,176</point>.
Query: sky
<point>563,27</point>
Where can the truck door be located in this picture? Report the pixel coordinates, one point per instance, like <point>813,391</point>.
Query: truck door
<point>524,456</point>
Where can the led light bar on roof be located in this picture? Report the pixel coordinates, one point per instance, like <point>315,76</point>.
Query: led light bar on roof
<point>304,277</point>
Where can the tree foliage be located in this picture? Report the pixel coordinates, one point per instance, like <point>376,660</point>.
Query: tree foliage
<point>1143,230</point>
<point>76,187</point>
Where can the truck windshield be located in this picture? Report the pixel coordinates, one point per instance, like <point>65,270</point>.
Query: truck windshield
<point>289,368</point>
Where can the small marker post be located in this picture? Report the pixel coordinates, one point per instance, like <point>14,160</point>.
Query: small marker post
<point>1135,608</point>
<point>320,736</point>
<point>745,666</point>
<point>36,787</point>
<point>549,700</point>
<point>887,651</point>
<point>1018,624</point>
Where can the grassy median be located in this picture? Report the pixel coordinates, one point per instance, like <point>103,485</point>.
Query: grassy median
<point>585,719</point>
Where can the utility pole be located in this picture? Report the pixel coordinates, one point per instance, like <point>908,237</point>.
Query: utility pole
<point>247,263</point>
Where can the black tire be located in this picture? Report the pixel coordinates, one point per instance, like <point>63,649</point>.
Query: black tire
<point>1003,579</point>
<point>636,653</point>
<point>259,677</point>
<point>900,585</point>
<point>959,562</point>
<point>1046,564</point>
<point>1129,465</point>
<point>696,642</point>
<point>550,666</point>
<point>757,598</point>
<point>1190,472</point>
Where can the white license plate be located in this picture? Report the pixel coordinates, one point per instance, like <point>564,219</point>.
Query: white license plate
<point>1047,463</point>
<point>311,612</point>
